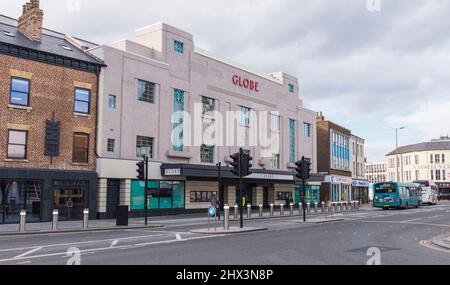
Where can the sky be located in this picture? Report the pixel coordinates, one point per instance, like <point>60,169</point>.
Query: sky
<point>368,65</point>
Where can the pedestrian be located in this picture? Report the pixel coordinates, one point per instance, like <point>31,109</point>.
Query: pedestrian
<point>218,205</point>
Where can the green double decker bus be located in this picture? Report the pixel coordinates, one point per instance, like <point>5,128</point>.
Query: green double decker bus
<point>392,195</point>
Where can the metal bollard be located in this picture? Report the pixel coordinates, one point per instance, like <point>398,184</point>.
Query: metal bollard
<point>23,221</point>
<point>249,211</point>
<point>353,205</point>
<point>261,211</point>
<point>292,209</point>
<point>271,210</point>
<point>316,208</point>
<point>300,209</point>
<point>341,206</point>
<point>281,209</point>
<point>55,220</point>
<point>226,218</point>
<point>236,210</point>
<point>85,218</point>
<point>323,207</point>
<point>308,207</point>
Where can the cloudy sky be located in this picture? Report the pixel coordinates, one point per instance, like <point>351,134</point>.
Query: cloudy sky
<point>368,70</point>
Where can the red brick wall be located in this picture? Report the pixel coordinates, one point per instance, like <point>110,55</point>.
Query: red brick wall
<point>51,90</point>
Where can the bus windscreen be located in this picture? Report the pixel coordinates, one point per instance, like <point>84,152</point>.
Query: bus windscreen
<point>385,188</point>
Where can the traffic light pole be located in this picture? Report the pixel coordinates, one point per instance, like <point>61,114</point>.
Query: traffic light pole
<point>241,187</point>
<point>146,191</point>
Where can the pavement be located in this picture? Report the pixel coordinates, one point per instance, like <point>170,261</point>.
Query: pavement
<point>401,237</point>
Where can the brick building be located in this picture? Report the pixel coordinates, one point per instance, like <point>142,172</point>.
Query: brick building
<point>48,103</point>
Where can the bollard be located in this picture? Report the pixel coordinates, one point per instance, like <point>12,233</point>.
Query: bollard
<point>281,209</point>
<point>55,220</point>
<point>249,211</point>
<point>323,207</point>
<point>341,206</point>
<point>226,218</point>
<point>353,205</point>
<point>347,206</point>
<point>261,211</point>
<point>308,207</point>
<point>271,210</point>
<point>85,218</point>
<point>316,208</point>
<point>357,205</point>
<point>23,221</point>
<point>300,209</point>
<point>292,209</point>
<point>236,210</point>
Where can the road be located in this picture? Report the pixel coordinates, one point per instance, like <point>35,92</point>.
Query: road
<point>400,235</point>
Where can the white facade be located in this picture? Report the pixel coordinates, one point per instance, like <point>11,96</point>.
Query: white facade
<point>375,172</point>
<point>357,157</point>
<point>427,161</point>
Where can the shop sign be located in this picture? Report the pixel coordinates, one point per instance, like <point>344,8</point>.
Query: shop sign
<point>338,179</point>
<point>52,134</point>
<point>360,183</point>
<point>245,83</point>
<point>268,176</point>
<point>172,172</point>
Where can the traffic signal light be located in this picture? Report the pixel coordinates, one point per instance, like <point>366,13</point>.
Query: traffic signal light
<point>247,165</point>
<point>236,164</point>
<point>141,171</point>
<point>303,169</point>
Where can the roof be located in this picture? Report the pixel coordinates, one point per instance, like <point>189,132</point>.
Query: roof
<point>52,42</point>
<point>426,146</point>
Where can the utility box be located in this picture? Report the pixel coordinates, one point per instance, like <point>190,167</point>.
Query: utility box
<point>122,216</point>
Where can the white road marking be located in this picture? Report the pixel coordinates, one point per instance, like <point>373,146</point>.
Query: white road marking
<point>91,251</point>
<point>25,262</point>
<point>434,217</point>
<point>28,252</point>
<point>413,220</point>
<point>114,243</point>
<point>178,236</point>
<point>409,223</point>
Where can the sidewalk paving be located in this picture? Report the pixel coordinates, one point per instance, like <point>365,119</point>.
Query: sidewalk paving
<point>159,221</point>
<point>442,241</point>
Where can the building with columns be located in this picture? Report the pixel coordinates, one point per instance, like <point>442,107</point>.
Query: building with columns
<point>375,172</point>
<point>162,96</point>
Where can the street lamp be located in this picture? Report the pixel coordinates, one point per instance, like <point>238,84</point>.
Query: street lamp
<point>396,152</point>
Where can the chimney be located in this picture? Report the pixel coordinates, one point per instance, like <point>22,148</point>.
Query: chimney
<point>320,117</point>
<point>30,23</point>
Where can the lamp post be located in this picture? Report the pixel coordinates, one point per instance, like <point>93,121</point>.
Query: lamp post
<point>396,152</point>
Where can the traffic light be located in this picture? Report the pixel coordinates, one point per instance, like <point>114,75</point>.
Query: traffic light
<point>303,169</point>
<point>141,171</point>
<point>236,164</point>
<point>247,165</point>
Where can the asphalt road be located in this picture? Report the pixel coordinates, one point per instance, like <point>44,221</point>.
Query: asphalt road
<point>400,235</point>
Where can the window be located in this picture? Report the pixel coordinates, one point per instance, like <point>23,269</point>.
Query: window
<point>112,101</point>
<point>20,91</point>
<point>178,46</point>
<point>432,174</point>
<point>283,196</point>
<point>178,126</point>
<point>292,142</point>
<point>274,123</point>
<point>245,116</point>
<point>111,145</point>
<point>307,130</point>
<point>80,148</point>
<point>17,144</point>
<point>417,159</point>
<point>443,158</point>
<point>437,158</point>
<point>161,195</point>
<point>276,161</point>
<point>443,175</point>
<point>291,88</point>
<point>146,91</point>
<point>431,158</point>
<point>417,174</point>
<point>144,146</point>
<point>207,154</point>
<point>208,106</point>
<point>202,196</point>
<point>438,175</point>
<point>82,101</point>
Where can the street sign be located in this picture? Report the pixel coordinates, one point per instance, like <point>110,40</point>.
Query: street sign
<point>212,212</point>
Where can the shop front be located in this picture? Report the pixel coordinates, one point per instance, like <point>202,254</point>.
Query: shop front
<point>39,192</point>
<point>360,191</point>
<point>444,190</point>
<point>336,189</point>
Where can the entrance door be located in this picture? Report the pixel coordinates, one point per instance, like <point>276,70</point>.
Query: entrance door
<point>69,203</point>
<point>112,198</point>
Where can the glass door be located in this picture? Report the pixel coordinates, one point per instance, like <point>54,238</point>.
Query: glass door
<point>69,203</point>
